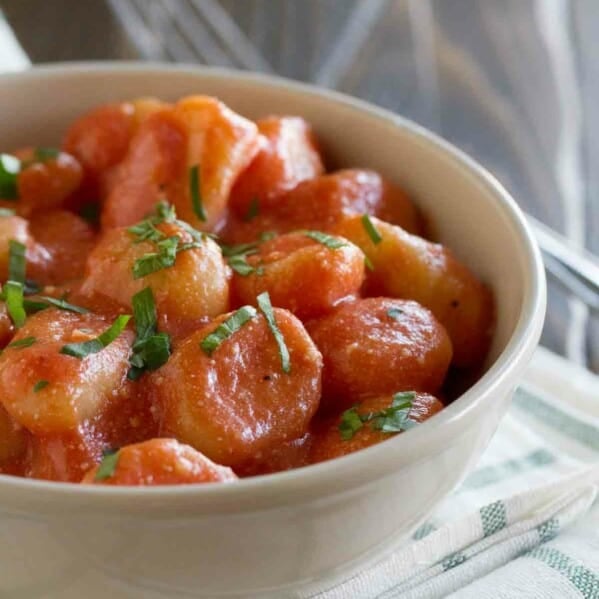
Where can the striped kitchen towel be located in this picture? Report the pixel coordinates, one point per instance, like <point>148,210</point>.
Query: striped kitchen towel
<point>525,523</point>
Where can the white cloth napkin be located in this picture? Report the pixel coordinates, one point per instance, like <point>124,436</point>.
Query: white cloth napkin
<point>525,523</point>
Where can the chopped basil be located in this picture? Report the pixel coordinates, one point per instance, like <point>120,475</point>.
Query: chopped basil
<point>43,154</point>
<point>395,313</point>
<point>93,346</point>
<point>163,258</point>
<point>25,342</point>
<point>151,349</point>
<point>350,424</point>
<point>240,265</point>
<point>40,385</point>
<point>266,308</point>
<point>168,247</point>
<point>194,190</point>
<point>333,243</point>
<point>6,212</point>
<point>13,294</point>
<point>61,304</point>
<point>16,261</point>
<point>374,235</point>
<point>267,236</point>
<point>253,210</point>
<point>107,467</point>
<point>10,167</point>
<point>224,330</point>
<point>393,419</point>
<point>368,263</point>
<point>243,249</point>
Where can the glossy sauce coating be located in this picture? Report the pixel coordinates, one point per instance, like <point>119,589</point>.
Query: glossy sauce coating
<point>237,361</point>
<point>377,346</point>
<point>301,274</point>
<point>161,462</point>
<point>327,442</point>
<point>238,402</point>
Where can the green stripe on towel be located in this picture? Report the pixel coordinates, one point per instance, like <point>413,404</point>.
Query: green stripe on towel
<point>493,518</point>
<point>453,560</point>
<point>567,425</point>
<point>585,581</point>
<point>548,530</point>
<point>489,475</point>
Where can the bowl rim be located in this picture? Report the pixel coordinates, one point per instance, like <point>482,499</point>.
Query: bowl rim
<point>508,365</point>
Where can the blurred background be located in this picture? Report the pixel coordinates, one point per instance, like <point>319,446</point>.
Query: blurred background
<point>515,83</point>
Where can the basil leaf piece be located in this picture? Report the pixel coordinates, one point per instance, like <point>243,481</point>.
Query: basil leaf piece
<point>368,225</point>
<point>253,210</point>
<point>393,419</point>
<point>43,154</point>
<point>13,294</point>
<point>224,330</point>
<point>40,385</point>
<point>93,346</point>
<point>194,190</point>
<point>240,265</point>
<point>333,243</point>
<point>350,424</point>
<point>395,313</point>
<point>155,261</point>
<point>266,308</point>
<point>10,167</point>
<point>16,261</point>
<point>25,342</point>
<point>107,467</point>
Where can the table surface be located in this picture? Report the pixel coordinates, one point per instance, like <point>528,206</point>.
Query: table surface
<point>514,83</point>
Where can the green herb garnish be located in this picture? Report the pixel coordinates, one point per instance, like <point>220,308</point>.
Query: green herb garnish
<point>13,292</point>
<point>25,342</point>
<point>374,235</point>
<point>61,304</point>
<point>253,210</point>
<point>224,330</point>
<point>266,308</point>
<point>40,385</point>
<point>395,313</point>
<point>333,243</point>
<point>16,261</point>
<point>43,154</point>
<point>151,349</point>
<point>167,247</point>
<point>10,167</point>
<point>93,346</point>
<point>368,263</point>
<point>107,467</point>
<point>6,212</point>
<point>393,419</point>
<point>194,190</point>
<point>240,265</point>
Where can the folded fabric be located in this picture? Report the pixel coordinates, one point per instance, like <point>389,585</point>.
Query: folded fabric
<point>524,523</point>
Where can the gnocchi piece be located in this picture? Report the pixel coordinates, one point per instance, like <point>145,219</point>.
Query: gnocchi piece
<point>376,346</point>
<point>67,239</point>
<point>158,462</point>
<point>155,159</point>
<point>288,156</point>
<point>406,266</point>
<point>237,402</point>
<point>46,183</point>
<point>63,457</point>
<point>195,287</point>
<point>328,438</point>
<point>99,139</point>
<point>300,273</point>
<point>325,202</point>
<point>222,144</point>
<point>49,392</point>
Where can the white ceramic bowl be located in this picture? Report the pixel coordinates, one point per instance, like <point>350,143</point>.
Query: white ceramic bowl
<point>303,529</point>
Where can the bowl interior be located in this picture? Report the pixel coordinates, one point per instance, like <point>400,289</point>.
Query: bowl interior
<point>484,234</point>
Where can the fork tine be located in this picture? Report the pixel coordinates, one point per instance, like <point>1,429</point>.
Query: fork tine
<point>134,24</point>
<point>232,37</point>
